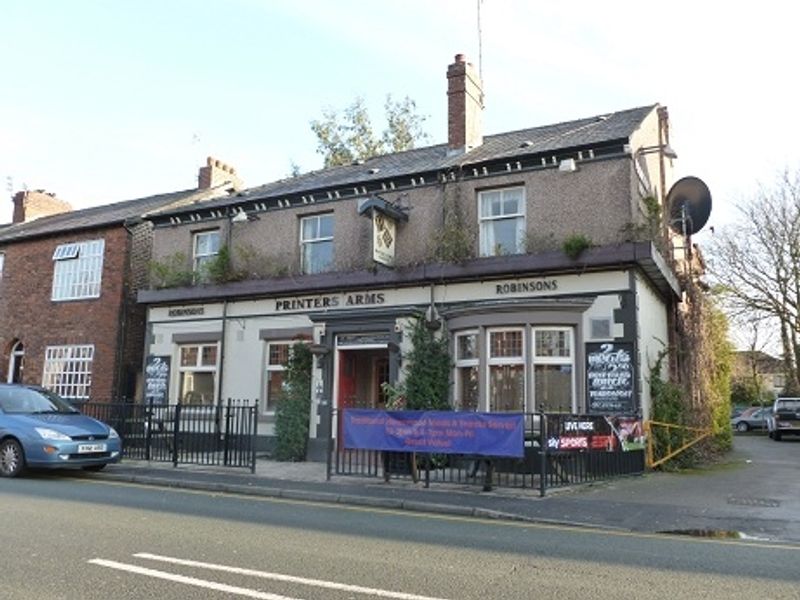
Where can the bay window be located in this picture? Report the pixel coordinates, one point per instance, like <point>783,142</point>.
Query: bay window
<point>467,371</point>
<point>506,361</point>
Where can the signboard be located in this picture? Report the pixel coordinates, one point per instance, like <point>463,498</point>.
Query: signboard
<point>442,432</point>
<point>384,234</point>
<point>609,378</point>
<point>156,379</point>
<point>594,433</point>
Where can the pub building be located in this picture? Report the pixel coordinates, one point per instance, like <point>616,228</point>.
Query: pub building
<point>533,251</point>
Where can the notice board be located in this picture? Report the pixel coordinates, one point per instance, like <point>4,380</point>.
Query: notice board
<point>156,379</point>
<point>610,378</point>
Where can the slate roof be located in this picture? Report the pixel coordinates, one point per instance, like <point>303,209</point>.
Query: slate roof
<point>581,133</point>
<point>98,216</point>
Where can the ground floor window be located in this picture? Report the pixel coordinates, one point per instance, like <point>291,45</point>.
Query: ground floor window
<point>552,369</point>
<point>198,374</point>
<point>467,371</point>
<point>506,361</point>
<point>68,371</point>
<point>277,359</point>
<point>523,369</point>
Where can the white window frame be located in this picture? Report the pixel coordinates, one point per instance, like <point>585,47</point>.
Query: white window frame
<point>554,360</point>
<point>200,258</point>
<point>506,360</point>
<point>465,363</point>
<point>310,242</point>
<point>487,247</point>
<point>2,264</point>
<point>68,370</point>
<point>269,407</point>
<point>78,270</point>
<point>198,367</point>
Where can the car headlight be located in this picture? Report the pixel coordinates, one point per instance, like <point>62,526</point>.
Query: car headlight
<point>112,433</point>
<point>52,434</point>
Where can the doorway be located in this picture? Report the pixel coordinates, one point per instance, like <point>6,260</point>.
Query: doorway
<point>16,363</point>
<point>361,374</point>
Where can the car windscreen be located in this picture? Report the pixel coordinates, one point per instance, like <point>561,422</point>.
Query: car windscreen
<point>23,400</point>
<point>788,405</point>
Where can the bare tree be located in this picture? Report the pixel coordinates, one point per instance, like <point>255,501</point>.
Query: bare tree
<point>756,263</point>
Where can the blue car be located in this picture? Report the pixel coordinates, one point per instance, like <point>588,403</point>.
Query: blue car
<point>40,429</point>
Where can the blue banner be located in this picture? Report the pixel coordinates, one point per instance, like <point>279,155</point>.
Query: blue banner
<point>483,434</point>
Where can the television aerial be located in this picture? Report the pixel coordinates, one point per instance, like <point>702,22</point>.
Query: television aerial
<point>688,205</point>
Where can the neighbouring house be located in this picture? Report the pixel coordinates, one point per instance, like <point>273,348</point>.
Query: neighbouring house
<point>69,320</point>
<point>759,371</point>
<point>534,251</point>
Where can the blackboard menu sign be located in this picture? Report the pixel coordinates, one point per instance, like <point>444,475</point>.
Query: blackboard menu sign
<point>609,378</point>
<point>156,379</point>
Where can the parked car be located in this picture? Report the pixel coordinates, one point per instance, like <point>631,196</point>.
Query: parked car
<point>754,417</point>
<point>40,429</point>
<point>784,418</point>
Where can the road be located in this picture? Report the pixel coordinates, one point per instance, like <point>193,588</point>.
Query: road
<point>75,537</point>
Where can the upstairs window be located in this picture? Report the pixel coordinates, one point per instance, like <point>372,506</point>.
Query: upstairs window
<point>205,249</point>
<point>502,221</point>
<point>78,270</point>
<point>316,243</point>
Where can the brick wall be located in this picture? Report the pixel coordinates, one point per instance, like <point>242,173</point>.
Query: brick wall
<point>27,312</point>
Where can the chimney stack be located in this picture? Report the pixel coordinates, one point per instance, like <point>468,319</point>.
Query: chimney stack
<point>30,205</point>
<point>217,173</point>
<point>464,106</point>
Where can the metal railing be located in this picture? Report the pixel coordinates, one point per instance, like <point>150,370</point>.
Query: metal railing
<point>220,435</point>
<point>542,466</point>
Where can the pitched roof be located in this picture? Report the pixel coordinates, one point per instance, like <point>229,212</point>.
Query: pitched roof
<point>98,216</point>
<point>581,133</point>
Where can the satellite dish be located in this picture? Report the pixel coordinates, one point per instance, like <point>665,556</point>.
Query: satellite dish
<point>688,205</point>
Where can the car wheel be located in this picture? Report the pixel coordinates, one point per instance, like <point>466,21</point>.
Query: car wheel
<point>776,436</point>
<point>12,458</point>
<point>741,426</point>
<point>94,468</point>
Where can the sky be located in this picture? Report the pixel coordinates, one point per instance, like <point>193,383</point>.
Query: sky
<point>102,101</point>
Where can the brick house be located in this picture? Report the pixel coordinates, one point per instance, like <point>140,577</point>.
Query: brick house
<point>484,235</point>
<point>68,282</point>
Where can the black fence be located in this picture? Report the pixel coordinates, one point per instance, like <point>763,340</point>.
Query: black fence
<point>221,435</point>
<point>559,450</point>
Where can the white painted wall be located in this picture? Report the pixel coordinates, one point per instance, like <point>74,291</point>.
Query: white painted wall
<point>653,335</point>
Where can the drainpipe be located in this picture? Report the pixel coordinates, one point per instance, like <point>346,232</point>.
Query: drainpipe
<point>220,376</point>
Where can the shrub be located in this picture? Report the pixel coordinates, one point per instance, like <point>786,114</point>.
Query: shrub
<point>170,272</point>
<point>293,411</point>
<point>574,245</point>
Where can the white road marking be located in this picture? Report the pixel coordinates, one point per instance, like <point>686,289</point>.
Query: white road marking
<point>331,585</point>
<point>211,585</point>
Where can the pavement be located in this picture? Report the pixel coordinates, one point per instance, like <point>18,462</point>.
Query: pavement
<point>752,493</point>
